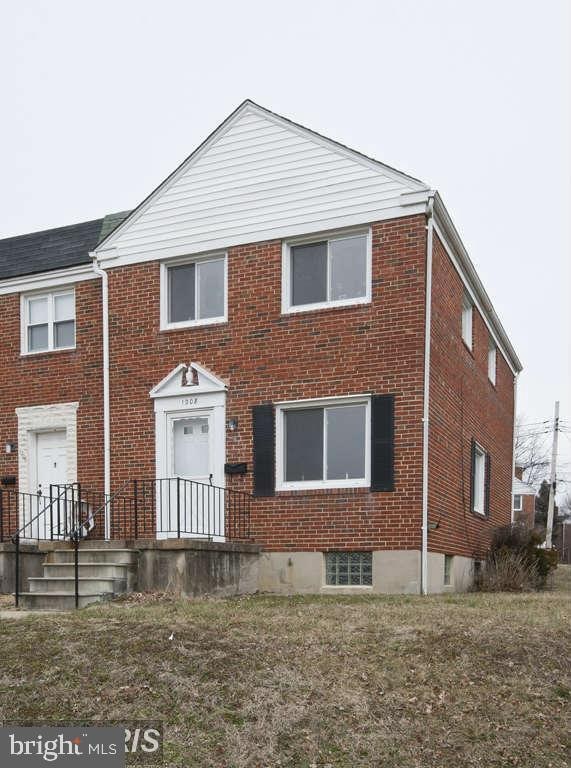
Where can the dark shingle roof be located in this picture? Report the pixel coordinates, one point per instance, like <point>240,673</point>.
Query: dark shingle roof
<point>54,248</point>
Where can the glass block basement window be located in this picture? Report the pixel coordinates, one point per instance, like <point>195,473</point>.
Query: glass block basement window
<point>349,569</point>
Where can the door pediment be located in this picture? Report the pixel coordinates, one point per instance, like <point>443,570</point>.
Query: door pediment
<point>188,380</point>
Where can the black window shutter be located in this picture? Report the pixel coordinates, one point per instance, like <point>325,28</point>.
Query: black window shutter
<point>383,443</point>
<point>487,485</point>
<point>264,449</point>
<point>472,473</point>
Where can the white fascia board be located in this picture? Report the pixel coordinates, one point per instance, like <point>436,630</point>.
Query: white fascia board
<point>48,280</point>
<point>458,254</point>
<point>114,258</point>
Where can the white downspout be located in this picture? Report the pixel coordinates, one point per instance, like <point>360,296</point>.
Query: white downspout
<point>106,400</point>
<point>513,447</point>
<point>426,394</point>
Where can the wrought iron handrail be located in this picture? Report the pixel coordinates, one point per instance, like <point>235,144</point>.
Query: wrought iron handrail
<point>48,508</point>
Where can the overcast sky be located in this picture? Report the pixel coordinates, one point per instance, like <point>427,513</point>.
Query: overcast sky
<point>101,100</point>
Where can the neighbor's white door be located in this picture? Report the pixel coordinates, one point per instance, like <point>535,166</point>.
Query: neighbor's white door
<point>191,506</point>
<point>49,468</point>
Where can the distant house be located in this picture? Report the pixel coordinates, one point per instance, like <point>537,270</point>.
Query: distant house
<point>523,500</point>
<point>285,342</point>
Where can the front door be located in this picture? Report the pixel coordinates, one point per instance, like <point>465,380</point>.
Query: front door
<point>190,504</point>
<point>49,468</point>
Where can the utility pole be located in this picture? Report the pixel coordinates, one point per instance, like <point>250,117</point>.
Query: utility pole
<point>549,531</point>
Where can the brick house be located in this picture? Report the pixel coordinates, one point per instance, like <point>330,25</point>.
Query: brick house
<point>523,500</point>
<point>283,319</point>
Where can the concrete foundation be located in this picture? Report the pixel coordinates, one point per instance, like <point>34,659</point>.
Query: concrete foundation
<point>31,560</point>
<point>394,572</point>
<point>191,567</point>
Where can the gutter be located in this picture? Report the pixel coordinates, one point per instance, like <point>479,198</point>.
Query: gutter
<point>426,393</point>
<point>106,399</point>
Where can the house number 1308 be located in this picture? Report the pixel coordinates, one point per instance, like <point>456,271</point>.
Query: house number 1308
<point>189,401</point>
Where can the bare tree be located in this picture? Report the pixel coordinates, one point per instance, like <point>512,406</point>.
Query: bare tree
<point>531,451</point>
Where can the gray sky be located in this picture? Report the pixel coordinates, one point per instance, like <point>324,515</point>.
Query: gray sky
<point>101,100</point>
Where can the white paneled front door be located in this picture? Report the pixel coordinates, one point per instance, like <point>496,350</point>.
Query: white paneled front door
<point>51,460</point>
<point>192,447</point>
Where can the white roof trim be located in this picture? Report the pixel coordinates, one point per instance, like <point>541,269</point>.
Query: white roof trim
<point>207,382</point>
<point>456,249</point>
<point>251,107</point>
<point>46,280</point>
<point>519,488</point>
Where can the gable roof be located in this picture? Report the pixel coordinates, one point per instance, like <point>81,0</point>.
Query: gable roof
<point>520,488</point>
<point>258,176</point>
<point>53,249</point>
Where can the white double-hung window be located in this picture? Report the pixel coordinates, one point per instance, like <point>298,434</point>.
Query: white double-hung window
<point>193,292</point>
<point>327,271</point>
<point>323,444</point>
<point>467,314</point>
<point>48,321</point>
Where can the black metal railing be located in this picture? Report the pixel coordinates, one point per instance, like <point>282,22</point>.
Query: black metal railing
<point>165,507</point>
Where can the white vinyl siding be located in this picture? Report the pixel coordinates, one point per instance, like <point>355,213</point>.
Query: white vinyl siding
<point>194,292</point>
<point>260,178</point>
<point>492,361</point>
<point>467,317</point>
<point>47,322</point>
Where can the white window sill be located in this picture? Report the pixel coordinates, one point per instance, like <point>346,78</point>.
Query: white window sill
<point>47,351</point>
<point>194,324</point>
<point>296,308</point>
<point>311,485</point>
<point>480,514</point>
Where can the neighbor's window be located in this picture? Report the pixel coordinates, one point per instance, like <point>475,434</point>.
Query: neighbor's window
<point>347,569</point>
<point>324,445</point>
<point>492,355</point>
<point>447,570</point>
<point>48,322</point>
<point>467,311</point>
<point>194,292</point>
<point>479,479</point>
<point>517,502</point>
<point>332,271</point>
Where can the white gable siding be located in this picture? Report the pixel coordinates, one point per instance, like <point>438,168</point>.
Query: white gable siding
<point>258,178</point>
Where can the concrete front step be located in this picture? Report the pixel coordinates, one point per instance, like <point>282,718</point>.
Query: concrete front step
<point>95,570</point>
<point>58,601</point>
<point>92,555</point>
<point>86,585</point>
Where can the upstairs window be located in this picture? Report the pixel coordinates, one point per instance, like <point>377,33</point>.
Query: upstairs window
<point>467,312</point>
<point>48,322</point>
<point>193,292</point>
<point>492,356</point>
<point>334,271</point>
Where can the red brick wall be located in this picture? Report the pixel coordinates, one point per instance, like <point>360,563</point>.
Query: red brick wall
<point>56,377</point>
<point>265,355</point>
<point>464,405</point>
<point>527,513</point>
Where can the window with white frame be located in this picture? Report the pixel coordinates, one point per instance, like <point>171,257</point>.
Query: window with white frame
<point>323,444</point>
<point>329,271</point>
<point>349,569</point>
<point>48,321</point>
<point>518,502</point>
<point>467,312</point>
<point>193,292</point>
<point>479,479</point>
<point>492,358</point>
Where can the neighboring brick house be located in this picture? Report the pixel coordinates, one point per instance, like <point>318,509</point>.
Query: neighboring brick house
<point>523,500</point>
<point>265,309</point>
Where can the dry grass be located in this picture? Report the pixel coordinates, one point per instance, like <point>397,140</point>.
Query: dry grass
<point>470,680</point>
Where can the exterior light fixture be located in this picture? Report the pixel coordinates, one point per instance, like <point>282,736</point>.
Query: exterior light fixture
<point>232,425</point>
<point>10,447</point>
